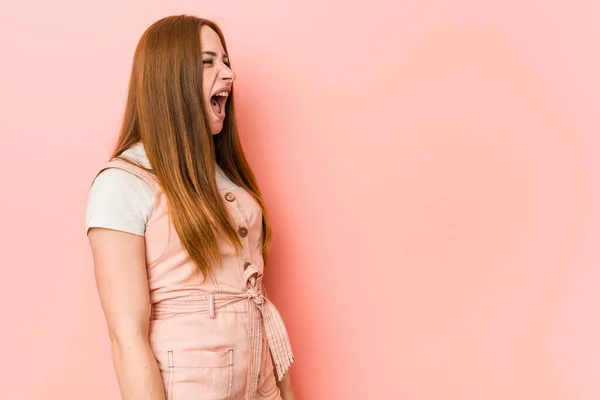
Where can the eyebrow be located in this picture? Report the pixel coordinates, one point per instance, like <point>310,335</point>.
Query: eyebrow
<point>212,53</point>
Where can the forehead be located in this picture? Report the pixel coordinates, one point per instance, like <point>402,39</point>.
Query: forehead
<point>210,40</point>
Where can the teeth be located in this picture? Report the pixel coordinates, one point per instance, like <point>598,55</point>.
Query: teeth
<point>223,94</point>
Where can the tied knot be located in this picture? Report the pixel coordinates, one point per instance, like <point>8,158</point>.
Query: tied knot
<point>255,296</point>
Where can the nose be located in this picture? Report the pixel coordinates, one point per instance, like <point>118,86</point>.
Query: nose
<point>227,74</point>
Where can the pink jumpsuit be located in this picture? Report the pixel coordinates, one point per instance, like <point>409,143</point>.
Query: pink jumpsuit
<point>217,339</point>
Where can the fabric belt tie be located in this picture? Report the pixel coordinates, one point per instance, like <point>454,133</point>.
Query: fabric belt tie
<point>261,309</point>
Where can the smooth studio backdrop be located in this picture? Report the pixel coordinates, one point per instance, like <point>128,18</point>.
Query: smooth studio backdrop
<point>431,169</point>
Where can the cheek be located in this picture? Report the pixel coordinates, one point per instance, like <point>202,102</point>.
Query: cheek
<point>206,87</point>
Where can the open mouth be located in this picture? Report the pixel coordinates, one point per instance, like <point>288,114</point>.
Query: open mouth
<point>217,102</point>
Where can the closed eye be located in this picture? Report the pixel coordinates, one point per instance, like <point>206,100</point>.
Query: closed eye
<point>211,62</point>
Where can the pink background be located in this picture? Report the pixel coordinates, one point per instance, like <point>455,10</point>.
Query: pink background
<point>431,169</point>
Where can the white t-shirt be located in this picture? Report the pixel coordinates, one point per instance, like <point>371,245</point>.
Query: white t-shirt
<point>122,201</point>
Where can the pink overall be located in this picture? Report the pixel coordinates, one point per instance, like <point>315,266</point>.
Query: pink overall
<point>217,339</point>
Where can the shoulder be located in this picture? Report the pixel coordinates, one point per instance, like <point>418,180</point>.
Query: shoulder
<point>118,199</point>
<point>117,181</point>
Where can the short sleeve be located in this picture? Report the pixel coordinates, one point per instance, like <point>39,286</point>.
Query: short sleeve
<point>119,200</point>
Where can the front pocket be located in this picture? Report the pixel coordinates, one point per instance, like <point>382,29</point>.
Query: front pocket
<point>199,375</point>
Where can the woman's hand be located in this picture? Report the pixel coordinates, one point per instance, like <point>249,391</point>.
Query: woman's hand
<point>285,387</point>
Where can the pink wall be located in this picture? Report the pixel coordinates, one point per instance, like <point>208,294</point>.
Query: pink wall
<point>431,170</point>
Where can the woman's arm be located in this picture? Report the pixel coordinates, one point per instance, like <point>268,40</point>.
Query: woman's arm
<point>122,282</point>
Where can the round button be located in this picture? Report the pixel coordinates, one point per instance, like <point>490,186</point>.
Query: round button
<point>247,264</point>
<point>229,196</point>
<point>243,231</point>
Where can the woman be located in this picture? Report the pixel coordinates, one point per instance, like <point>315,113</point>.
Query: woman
<point>175,220</point>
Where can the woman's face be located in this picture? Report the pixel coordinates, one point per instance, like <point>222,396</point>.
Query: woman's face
<point>217,77</point>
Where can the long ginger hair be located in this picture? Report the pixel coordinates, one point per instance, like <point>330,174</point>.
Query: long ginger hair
<point>164,111</point>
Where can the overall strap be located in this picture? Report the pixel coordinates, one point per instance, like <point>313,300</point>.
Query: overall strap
<point>134,169</point>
